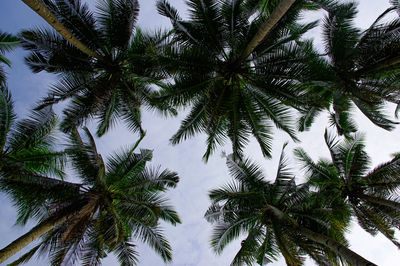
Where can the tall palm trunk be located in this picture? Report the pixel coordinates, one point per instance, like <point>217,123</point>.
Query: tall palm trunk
<point>31,236</point>
<point>336,247</point>
<point>384,202</point>
<point>44,12</point>
<point>279,11</point>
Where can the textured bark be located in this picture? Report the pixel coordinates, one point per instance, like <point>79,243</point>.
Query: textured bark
<point>279,11</point>
<point>44,12</point>
<point>30,236</point>
<point>336,247</point>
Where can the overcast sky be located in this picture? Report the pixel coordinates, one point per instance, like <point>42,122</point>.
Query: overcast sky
<point>190,240</point>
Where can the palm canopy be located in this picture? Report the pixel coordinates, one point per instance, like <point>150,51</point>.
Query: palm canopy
<point>372,195</point>
<point>114,85</point>
<point>27,149</point>
<point>7,43</point>
<point>114,203</point>
<point>359,69</point>
<point>277,217</point>
<point>234,95</point>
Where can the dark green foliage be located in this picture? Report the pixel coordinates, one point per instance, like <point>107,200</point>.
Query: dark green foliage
<point>270,214</point>
<point>233,97</point>
<point>28,155</point>
<point>372,194</point>
<point>113,204</point>
<point>359,69</point>
<point>7,43</point>
<point>114,86</point>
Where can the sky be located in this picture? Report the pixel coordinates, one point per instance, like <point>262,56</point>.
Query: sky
<point>190,240</point>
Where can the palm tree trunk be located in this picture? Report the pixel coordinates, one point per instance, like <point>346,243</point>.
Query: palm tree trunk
<point>389,203</point>
<point>336,247</point>
<point>44,12</point>
<point>279,11</point>
<point>32,235</point>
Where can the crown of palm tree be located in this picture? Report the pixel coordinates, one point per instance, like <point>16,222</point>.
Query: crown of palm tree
<point>27,148</point>
<point>359,68</point>
<point>279,217</point>
<point>116,83</point>
<point>372,195</point>
<point>113,204</point>
<point>235,91</point>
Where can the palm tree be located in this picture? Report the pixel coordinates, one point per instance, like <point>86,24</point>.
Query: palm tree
<point>113,203</point>
<point>358,68</point>
<point>239,68</point>
<point>279,217</point>
<point>114,85</point>
<point>27,151</point>
<point>40,7</point>
<point>7,43</point>
<point>27,146</point>
<point>372,195</point>
<point>387,56</point>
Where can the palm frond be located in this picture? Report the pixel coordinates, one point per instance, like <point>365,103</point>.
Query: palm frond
<point>245,255</point>
<point>374,114</point>
<point>116,21</point>
<point>127,166</point>
<point>191,125</point>
<point>245,171</point>
<point>223,233</point>
<point>8,42</point>
<point>52,53</point>
<point>155,238</point>
<point>126,253</point>
<point>7,115</point>
<point>34,132</point>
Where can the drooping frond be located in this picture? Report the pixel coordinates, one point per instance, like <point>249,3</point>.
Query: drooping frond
<point>7,43</point>
<point>7,115</point>
<point>155,239</point>
<point>34,132</point>
<point>126,253</point>
<point>117,20</point>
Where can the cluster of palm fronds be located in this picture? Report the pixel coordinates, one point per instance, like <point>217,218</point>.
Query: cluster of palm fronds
<point>242,67</point>
<point>113,202</point>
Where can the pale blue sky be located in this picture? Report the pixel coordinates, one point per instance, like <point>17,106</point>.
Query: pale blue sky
<point>190,240</point>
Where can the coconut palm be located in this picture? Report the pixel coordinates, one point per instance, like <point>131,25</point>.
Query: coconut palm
<point>7,43</point>
<point>372,195</point>
<point>27,151</point>
<point>113,204</point>
<point>279,217</point>
<point>358,69</point>
<point>238,68</point>
<point>114,84</point>
<point>40,7</point>
<point>27,146</point>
